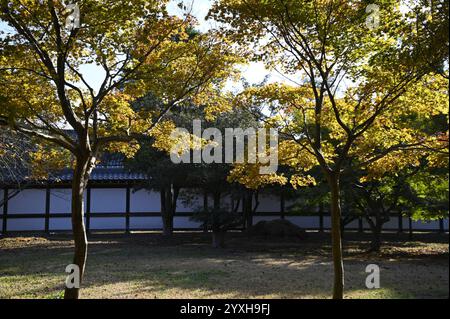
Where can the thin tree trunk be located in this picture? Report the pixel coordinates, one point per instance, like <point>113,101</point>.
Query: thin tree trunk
<point>375,245</point>
<point>218,239</point>
<point>336,239</point>
<point>169,197</point>
<point>248,208</point>
<point>218,234</point>
<point>165,212</point>
<point>206,209</point>
<point>377,226</point>
<point>79,183</point>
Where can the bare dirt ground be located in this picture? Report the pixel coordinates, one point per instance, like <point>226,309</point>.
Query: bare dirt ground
<point>147,265</point>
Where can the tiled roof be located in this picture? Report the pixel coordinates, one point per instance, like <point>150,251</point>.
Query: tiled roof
<point>110,168</point>
<point>103,174</point>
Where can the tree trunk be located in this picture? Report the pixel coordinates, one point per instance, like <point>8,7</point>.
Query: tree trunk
<point>218,234</point>
<point>336,240</point>
<point>375,245</point>
<point>81,174</point>
<point>206,209</point>
<point>376,227</point>
<point>169,198</point>
<point>218,239</point>
<point>248,208</point>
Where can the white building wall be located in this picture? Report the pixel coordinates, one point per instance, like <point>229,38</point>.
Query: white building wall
<point>26,224</point>
<point>108,200</point>
<point>1,210</point>
<point>188,203</point>
<point>425,225</point>
<point>268,203</point>
<point>113,200</point>
<point>305,221</point>
<point>146,223</point>
<point>61,201</point>
<point>144,201</point>
<point>104,223</point>
<point>56,224</point>
<point>28,201</point>
<point>184,222</point>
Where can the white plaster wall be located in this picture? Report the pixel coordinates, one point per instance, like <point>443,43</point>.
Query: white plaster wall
<point>144,201</point>
<point>184,222</point>
<point>105,200</point>
<point>1,211</point>
<point>100,223</point>
<point>28,201</point>
<point>146,223</point>
<point>194,203</point>
<point>60,224</point>
<point>30,224</point>
<point>392,223</point>
<point>61,200</point>
<point>423,225</point>
<point>304,221</point>
<point>269,203</point>
<point>257,219</point>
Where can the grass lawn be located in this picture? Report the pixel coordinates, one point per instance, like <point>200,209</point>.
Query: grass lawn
<point>146,265</point>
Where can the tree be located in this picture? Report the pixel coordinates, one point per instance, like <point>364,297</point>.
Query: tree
<point>14,150</point>
<point>22,163</point>
<point>138,47</point>
<point>162,174</point>
<point>350,74</point>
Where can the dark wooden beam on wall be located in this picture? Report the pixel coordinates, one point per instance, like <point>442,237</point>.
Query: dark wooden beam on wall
<point>47,209</point>
<point>282,206</point>
<point>410,227</point>
<point>127,209</point>
<point>88,208</point>
<point>205,207</point>
<point>441,225</point>
<point>5,211</point>
<point>321,217</point>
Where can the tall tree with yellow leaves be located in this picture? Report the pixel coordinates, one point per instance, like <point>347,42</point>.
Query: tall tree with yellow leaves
<point>137,47</point>
<point>350,65</point>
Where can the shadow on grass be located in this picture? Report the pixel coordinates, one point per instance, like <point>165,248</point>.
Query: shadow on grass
<point>151,266</point>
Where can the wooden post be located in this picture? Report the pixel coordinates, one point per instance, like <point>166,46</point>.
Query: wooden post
<point>127,210</point>
<point>88,208</point>
<point>360,225</point>
<point>205,208</point>
<point>47,209</point>
<point>321,217</point>
<point>410,228</point>
<point>5,210</point>
<point>441,225</point>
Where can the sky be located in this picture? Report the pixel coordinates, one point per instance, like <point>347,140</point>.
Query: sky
<point>253,73</point>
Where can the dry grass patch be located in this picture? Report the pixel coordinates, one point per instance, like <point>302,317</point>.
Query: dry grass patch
<point>150,266</point>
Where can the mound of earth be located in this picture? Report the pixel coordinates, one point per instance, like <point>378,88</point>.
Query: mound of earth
<point>277,228</point>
